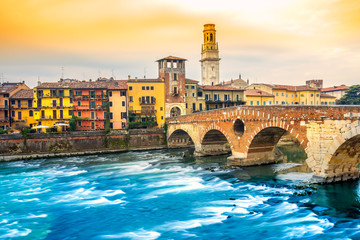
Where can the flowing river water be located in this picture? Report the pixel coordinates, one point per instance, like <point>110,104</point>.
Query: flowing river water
<point>161,195</point>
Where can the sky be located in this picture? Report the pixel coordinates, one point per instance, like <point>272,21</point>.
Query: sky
<point>266,41</point>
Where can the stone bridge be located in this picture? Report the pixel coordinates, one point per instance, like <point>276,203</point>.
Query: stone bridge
<point>330,136</point>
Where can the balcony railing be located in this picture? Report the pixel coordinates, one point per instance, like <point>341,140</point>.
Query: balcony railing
<point>86,97</point>
<point>53,118</point>
<point>4,106</point>
<point>90,107</point>
<point>53,95</point>
<point>2,119</point>
<point>143,112</point>
<point>22,106</point>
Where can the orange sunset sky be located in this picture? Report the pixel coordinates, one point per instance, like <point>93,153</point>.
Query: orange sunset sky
<point>270,41</point>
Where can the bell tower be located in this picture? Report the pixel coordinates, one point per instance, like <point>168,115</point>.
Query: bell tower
<point>209,57</point>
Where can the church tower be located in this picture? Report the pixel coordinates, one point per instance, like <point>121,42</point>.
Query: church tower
<point>209,57</point>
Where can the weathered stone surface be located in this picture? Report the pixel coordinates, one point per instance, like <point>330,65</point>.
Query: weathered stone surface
<point>321,130</point>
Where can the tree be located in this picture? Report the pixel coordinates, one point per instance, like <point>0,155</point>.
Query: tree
<point>352,96</point>
<point>72,123</point>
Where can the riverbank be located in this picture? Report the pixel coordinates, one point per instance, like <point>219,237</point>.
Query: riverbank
<point>47,145</point>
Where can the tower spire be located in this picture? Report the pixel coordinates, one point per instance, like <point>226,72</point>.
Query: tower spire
<point>210,56</point>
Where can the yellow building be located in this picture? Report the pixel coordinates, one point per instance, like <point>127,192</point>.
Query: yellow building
<point>195,101</point>
<point>221,97</point>
<point>54,102</point>
<point>327,99</point>
<point>286,94</point>
<point>22,109</point>
<point>118,103</point>
<point>146,100</point>
<point>258,97</point>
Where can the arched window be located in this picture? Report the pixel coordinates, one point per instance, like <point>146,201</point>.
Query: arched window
<point>31,113</point>
<point>211,37</point>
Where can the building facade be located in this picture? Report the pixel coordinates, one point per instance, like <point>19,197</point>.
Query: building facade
<point>172,72</point>
<point>335,91</point>
<point>221,97</point>
<point>258,97</point>
<point>146,100</point>
<point>118,103</point>
<point>22,109</point>
<point>54,104</point>
<point>210,60</point>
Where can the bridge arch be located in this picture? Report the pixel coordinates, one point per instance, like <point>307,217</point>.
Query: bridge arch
<point>261,146</point>
<point>342,158</point>
<point>180,138</point>
<point>214,141</point>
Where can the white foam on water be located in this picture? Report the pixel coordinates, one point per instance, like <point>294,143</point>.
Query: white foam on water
<point>36,216</point>
<point>102,201</point>
<point>138,235</point>
<point>4,221</point>
<point>284,166</point>
<point>16,233</point>
<point>109,193</point>
<point>30,191</point>
<point>79,183</point>
<point>295,176</point>
<point>266,189</point>
<point>244,202</point>
<point>26,200</point>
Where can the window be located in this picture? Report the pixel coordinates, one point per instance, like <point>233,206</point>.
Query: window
<point>78,93</point>
<point>237,97</point>
<point>143,88</point>
<point>301,95</point>
<point>282,94</point>
<point>105,115</point>
<point>147,88</point>
<point>70,112</point>
<point>311,103</point>
<point>168,64</point>
<point>186,105</point>
<point>92,104</point>
<point>122,93</point>
<point>193,87</point>
<point>111,125</point>
<point>92,115</point>
<point>71,100</point>
<point>130,88</point>
<point>31,113</point>
<point>200,94</point>
<point>251,103</point>
<point>200,106</point>
<point>187,87</point>
<point>277,94</point>
<point>216,97</point>
<point>312,94</point>
<point>317,95</point>
<point>152,88</point>
<point>175,77</point>
<point>277,102</point>
<point>79,123</point>
<point>123,115</point>
<point>194,106</point>
<point>162,117</point>
<point>286,95</point>
<point>61,93</point>
<point>257,103</point>
<point>123,103</point>
<point>79,114</point>
<point>193,95</point>
<point>79,103</point>
<point>161,108</point>
<point>207,97</point>
<point>92,94</point>
<point>92,125</point>
<point>19,115</point>
<point>111,115</point>
<point>175,64</point>
<point>175,90</point>
<point>30,103</point>
<point>296,95</point>
<point>110,104</point>
<point>131,99</point>
<point>54,103</point>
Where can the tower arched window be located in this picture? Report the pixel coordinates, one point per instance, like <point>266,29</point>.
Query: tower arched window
<point>211,37</point>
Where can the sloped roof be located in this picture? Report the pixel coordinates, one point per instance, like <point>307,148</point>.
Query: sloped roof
<point>190,81</point>
<point>23,94</point>
<point>117,84</point>
<point>290,87</point>
<point>335,88</point>
<point>257,92</point>
<point>171,58</point>
<point>144,80</point>
<point>324,95</point>
<point>219,88</point>
<point>8,88</point>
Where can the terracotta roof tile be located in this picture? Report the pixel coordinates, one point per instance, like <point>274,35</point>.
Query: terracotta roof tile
<point>222,88</point>
<point>290,87</point>
<point>150,80</point>
<point>257,92</point>
<point>23,94</point>
<point>171,58</point>
<point>335,88</point>
<point>324,95</point>
<point>190,81</point>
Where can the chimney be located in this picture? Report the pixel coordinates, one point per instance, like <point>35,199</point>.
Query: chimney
<point>248,82</point>
<point>135,79</point>
<point>39,83</point>
<point>128,77</point>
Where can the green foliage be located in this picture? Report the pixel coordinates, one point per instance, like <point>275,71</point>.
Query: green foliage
<point>352,96</point>
<point>146,124</point>
<point>107,120</point>
<point>72,123</point>
<point>2,131</point>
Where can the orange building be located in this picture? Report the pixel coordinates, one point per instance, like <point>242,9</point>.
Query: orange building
<point>90,104</point>
<point>6,91</point>
<point>118,103</point>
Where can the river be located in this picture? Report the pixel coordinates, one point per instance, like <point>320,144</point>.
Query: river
<point>161,195</point>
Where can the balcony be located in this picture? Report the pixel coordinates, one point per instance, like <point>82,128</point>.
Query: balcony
<point>4,119</point>
<point>54,96</point>
<point>90,108</point>
<point>22,106</point>
<point>143,112</point>
<point>88,97</point>
<point>4,107</point>
<point>92,119</point>
<point>53,118</point>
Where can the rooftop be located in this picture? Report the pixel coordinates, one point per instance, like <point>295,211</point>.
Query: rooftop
<point>290,87</point>
<point>335,88</point>
<point>219,88</point>
<point>257,92</point>
<point>171,58</point>
<point>23,94</point>
<point>324,95</point>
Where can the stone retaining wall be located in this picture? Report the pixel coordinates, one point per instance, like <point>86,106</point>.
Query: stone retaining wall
<point>14,144</point>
